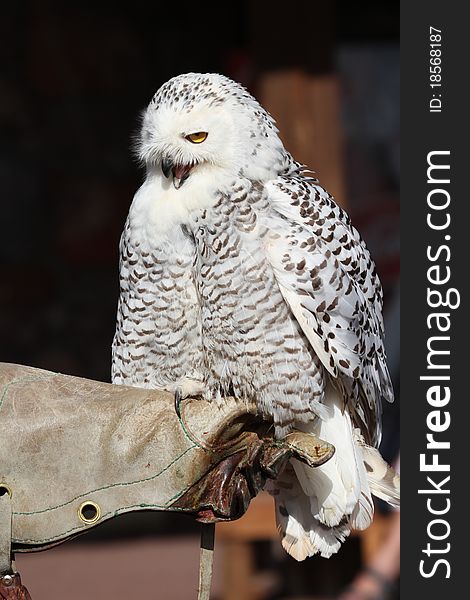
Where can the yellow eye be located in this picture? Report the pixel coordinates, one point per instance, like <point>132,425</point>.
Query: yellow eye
<point>197,138</point>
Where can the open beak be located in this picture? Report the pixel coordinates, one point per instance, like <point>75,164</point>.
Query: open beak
<point>179,172</point>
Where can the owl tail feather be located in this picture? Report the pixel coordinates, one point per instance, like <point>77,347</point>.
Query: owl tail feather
<point>316,508</point>
<point>384,482</point>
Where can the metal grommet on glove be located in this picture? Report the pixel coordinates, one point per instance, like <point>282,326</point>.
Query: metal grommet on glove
<point>11,588</point>
<point>89,512</point>
<point>5,489</point>
<point>7,580</point>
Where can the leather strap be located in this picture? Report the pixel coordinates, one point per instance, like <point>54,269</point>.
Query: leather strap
<point>5,533</point>
<point>206,558</point>
<point>11,588</point>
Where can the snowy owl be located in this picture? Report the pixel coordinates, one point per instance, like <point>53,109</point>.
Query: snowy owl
<point>241,276</point>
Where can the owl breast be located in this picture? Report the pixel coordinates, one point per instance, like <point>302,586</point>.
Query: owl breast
<point>158,335</point>
<point>253,346</point>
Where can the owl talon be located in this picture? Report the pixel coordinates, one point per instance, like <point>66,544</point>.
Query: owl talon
<point>178,398</point>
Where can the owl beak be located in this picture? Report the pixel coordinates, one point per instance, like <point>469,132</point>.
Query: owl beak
<point>179,172</point>
<point>167,166</point>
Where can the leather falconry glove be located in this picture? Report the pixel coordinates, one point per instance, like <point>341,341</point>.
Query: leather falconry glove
<point>76,452</point>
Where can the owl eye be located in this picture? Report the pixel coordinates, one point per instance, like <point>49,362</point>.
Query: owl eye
<point>198,137</point>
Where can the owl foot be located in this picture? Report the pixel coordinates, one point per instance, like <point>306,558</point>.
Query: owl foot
<point>187,388</point>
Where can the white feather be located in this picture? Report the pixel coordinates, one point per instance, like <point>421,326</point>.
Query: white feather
<point>325,503</point>
<point>383,480</point>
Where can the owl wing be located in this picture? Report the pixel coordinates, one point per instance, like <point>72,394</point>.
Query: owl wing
<point>329,281</point>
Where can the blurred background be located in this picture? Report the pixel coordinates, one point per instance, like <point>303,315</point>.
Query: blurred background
<point>74,78</point>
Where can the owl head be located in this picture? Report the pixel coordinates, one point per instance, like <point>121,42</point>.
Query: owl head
<point>206,125</point>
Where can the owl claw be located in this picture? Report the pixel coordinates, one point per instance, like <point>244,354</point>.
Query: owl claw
<point>188,387</point>
<point>178,398</point>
